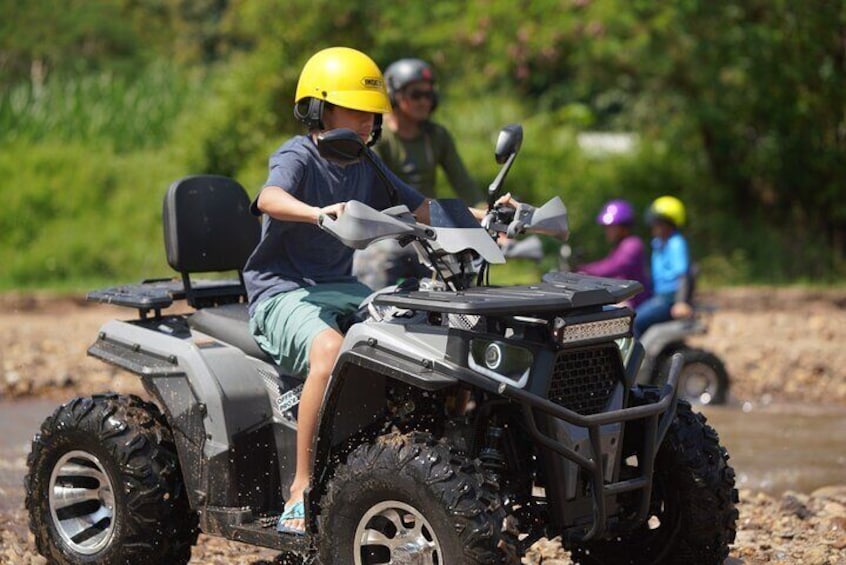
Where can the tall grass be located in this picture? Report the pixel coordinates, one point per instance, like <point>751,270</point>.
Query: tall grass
<point>85,161</point>
<point>125,112</point>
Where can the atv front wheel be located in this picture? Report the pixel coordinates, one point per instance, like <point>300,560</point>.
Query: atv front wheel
<point>104,486</point>
<point>703,378</point>
<point>692,516</point>
<point>409,499</point>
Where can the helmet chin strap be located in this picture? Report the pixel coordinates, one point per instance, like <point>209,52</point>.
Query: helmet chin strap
<point>376,133</point>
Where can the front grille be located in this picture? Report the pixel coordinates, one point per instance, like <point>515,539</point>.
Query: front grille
<point>584,379</point>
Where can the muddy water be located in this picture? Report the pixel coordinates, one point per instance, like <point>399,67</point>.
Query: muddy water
<point>772,448</point>
<point>19,421</point>
<point>775,448</point>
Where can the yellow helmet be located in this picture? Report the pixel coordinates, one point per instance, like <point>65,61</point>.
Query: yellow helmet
<point>341,76</point>
<point>667,208</point>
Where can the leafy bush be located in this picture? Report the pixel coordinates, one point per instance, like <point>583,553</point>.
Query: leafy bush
<point>71,214</point>
<point>738,111</point>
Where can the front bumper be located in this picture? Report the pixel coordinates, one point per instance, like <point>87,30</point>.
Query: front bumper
<point>657,417</point>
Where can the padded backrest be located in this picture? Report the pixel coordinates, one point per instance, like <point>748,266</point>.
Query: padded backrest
<point>208,225</point>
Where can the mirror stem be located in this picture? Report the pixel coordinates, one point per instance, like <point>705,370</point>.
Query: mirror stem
<point>393,197</point>
<point>499,181</point>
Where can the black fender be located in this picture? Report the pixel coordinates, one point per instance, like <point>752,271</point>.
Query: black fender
<point>355,397</point>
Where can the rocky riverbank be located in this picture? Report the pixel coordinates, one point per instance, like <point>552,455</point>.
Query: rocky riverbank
<point>779,345</point>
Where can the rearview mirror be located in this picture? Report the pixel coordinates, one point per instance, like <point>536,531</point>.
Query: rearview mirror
<point>508,143</point>
<point>342,146</point>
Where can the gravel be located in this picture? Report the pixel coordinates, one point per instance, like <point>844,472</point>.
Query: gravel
<point>783,345</point>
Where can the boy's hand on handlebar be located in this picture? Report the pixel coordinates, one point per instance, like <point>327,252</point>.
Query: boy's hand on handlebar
<point>506,200</point>
<point>333,211</point>
<point>484,215</point>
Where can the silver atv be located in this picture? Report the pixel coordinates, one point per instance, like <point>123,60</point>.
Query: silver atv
<point>462,423</point>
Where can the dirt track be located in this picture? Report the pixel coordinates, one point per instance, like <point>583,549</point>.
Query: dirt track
<point>779,345</point>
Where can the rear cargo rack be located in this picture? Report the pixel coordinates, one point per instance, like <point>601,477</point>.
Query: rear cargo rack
<point>155,295</point>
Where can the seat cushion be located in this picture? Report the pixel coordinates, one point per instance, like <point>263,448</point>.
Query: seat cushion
<point>229,323</point>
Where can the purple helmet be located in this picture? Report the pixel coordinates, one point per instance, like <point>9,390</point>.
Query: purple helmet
<point>615,213</point>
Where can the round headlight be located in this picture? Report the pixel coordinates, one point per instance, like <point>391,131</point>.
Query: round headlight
<point>493,356</point>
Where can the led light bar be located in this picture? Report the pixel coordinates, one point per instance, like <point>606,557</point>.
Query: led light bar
<point>592,331</point>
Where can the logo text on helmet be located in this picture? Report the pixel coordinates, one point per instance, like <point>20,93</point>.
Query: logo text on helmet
<point>372,82</point>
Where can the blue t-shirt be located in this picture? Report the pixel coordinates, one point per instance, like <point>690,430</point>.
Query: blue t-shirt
<point>295,254</point>
<point>670,261</point>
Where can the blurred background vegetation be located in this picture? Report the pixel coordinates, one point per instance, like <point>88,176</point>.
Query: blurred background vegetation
<point>737,107</point>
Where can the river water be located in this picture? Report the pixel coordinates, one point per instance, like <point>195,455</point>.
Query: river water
<point>782,447</point>
<point>773,448</point>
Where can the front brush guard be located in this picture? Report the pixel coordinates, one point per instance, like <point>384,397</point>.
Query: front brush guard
<point>657,415</point>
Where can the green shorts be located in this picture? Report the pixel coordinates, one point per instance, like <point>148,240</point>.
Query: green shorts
<point>284,325</point>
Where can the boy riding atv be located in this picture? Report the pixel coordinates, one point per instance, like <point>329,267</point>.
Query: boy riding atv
<point>298,278</point>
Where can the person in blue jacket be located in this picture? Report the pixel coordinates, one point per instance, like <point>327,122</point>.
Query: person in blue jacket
<point>670,263</point>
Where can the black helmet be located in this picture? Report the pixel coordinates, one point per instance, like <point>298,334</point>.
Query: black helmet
<point>405,71</point>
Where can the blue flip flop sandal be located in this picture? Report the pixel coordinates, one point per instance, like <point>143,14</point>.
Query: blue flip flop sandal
<point>295,512</point>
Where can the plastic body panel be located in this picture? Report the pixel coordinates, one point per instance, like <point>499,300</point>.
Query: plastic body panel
<point>218,404</point>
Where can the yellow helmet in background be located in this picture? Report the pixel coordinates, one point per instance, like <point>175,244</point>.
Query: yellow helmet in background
<point>341,76</point>
<point>667,208</point>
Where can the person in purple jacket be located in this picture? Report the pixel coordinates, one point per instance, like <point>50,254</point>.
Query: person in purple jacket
<point>627,260</point>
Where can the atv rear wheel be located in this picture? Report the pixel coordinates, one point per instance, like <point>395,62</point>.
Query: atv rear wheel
<point>692,512</point>
<point>703,378</point>
<point>104,486</point>
<point>409,499</point>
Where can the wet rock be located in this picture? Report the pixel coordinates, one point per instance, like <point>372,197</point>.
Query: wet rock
<point>793,503</point>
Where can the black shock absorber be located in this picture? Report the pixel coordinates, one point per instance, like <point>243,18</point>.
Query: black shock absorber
<point>490,455</point>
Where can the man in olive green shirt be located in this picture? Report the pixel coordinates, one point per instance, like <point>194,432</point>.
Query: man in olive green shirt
<point>413,147</point>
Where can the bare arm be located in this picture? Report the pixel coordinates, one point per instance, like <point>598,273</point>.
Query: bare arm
<point>281,205</point>
<point>422,212</point>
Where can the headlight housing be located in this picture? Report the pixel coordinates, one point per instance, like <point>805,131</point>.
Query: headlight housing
<point>500,361</point>
<point>610,325</point>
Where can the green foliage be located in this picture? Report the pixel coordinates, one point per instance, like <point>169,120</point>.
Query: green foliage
<point>37,38</point>
<point>71,214</point>
<point>737,107</point>
<point>100,109</point>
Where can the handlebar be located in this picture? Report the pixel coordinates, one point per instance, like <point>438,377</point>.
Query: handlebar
<point>550,219</point>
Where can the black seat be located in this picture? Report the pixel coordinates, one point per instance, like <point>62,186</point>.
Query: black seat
<point>230,324</point>
<point>208,228</point>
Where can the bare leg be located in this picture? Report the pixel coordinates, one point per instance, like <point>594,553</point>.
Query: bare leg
<point>321,359</point>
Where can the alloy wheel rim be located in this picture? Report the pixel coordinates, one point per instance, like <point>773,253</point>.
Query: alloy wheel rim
<point>82,502</point>
<point>699,383</point>
<point>398,532</point>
